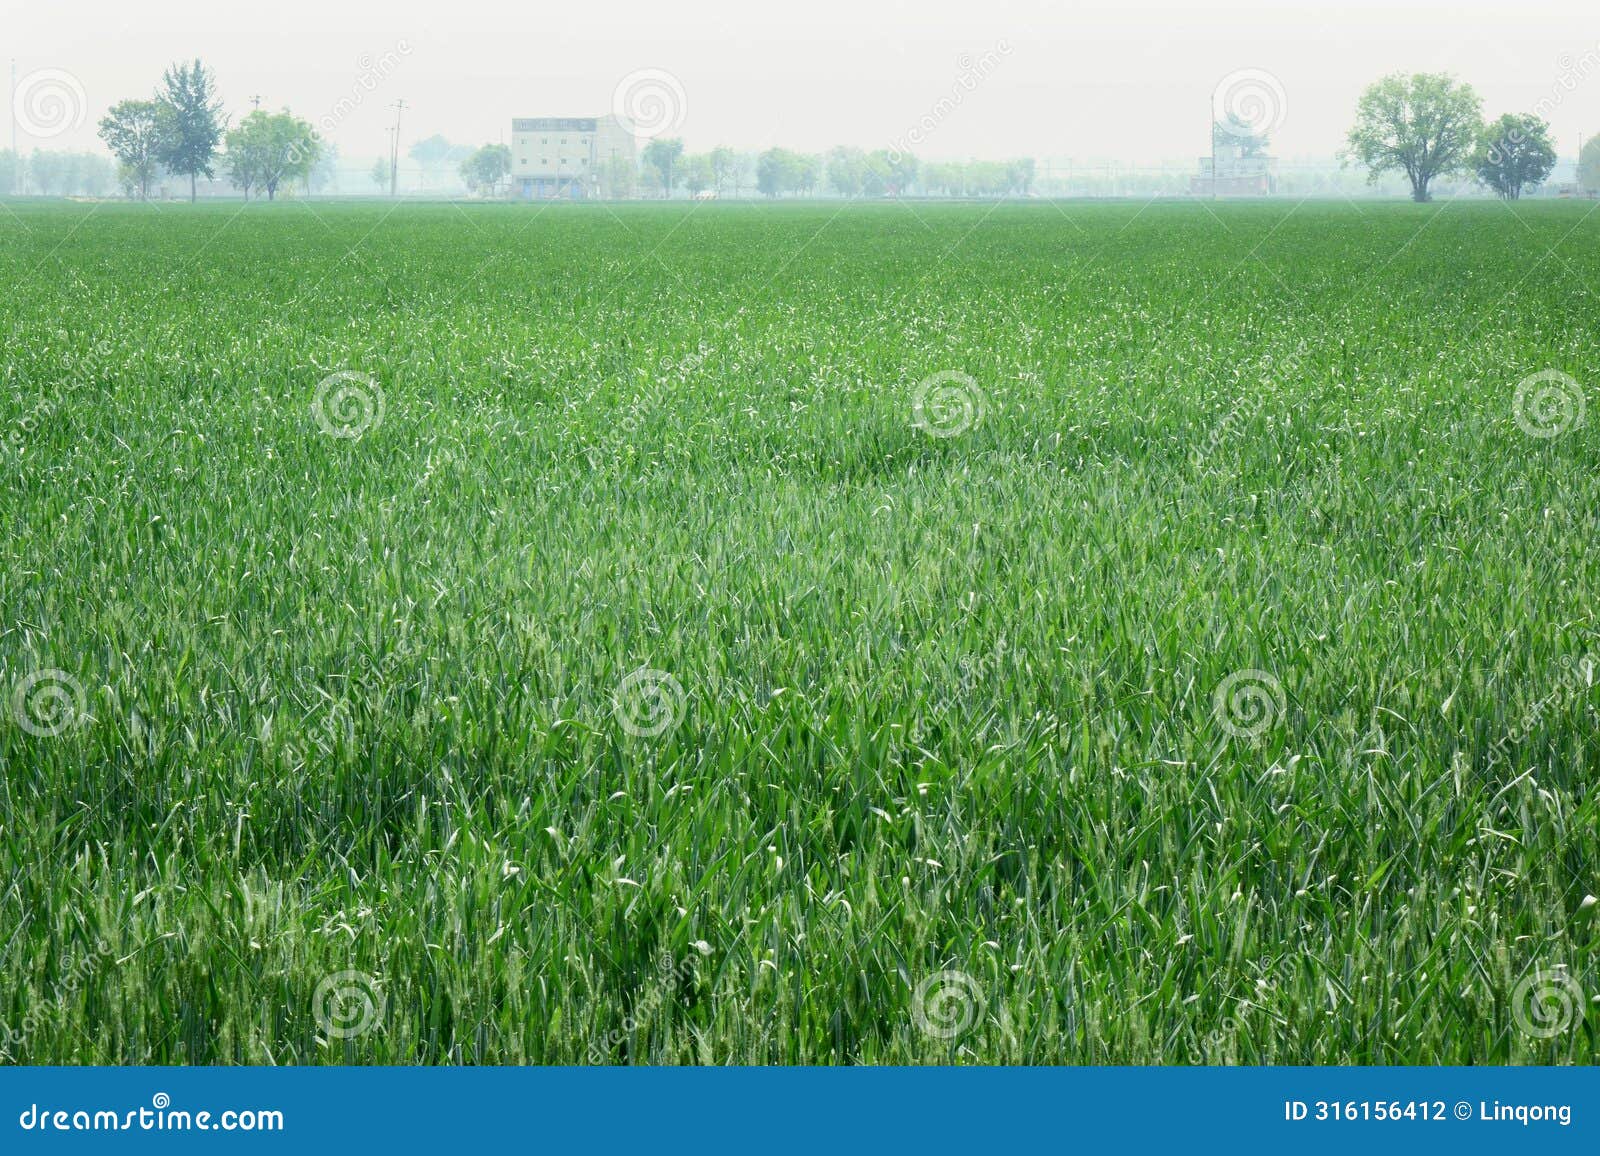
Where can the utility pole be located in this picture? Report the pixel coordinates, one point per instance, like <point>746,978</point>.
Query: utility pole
<point>1213,154</point>
<point>255,101</point>
<point>16,158</point>
<point>394,149</point>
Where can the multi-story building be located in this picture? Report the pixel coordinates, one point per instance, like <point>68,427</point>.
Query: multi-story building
<point>567,156</point>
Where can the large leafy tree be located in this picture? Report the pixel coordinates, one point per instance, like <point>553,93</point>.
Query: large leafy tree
<point>1514,153</point>
<point>190,121</point>
<point>132,131</point>
<point>1425,126</point>
<point>269,148</point>
<point>662,155</point>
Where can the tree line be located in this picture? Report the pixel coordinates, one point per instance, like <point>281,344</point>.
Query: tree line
<point>1427,126</point>
<point>849,172</point>
<point>181,129</point>
<point>56,174</point>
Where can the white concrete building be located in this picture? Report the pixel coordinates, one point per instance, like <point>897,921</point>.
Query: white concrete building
<point>567,156</point>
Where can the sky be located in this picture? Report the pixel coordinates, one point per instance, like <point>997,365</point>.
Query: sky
<point>1131,80</point>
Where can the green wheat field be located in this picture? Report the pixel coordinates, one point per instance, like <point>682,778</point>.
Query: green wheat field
<point>743,634</point>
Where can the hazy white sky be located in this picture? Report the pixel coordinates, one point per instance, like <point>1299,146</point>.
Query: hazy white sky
<point>1131,79</point>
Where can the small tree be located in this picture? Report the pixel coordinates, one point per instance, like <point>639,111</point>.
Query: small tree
<point>1238,135</point>
<point>775,172</point>
<point>98,175</point>
<point>1020,175</point>
<point>269,148</point>
<point>1426,126</point>
<point>242,155</point>
<point>947,177</point>
<point>618,178</point>
<point>435,155</point>
<point>662,155</point>
<point>191,123</point>
<point>877,175</point>
<point>11,171</point>
<point>132,132</point>
<point>325,173</point>
<point>49,173</point>
<point>902,171</point>
<point>486,168</point>
<point>380,173</point>
<point>1589,165</point>
<point>808,171</point>
<point>697,174</point>
<point>848,172</point>
<point>1514,153</point>
<point>741,171</point>
<point>724,167</point>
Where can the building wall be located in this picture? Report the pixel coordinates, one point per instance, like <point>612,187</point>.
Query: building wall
<point>1235,174</point>
<point>565,156</point>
